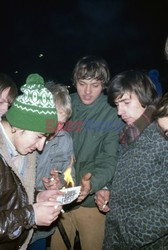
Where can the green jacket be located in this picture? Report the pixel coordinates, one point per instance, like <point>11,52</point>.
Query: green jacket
<point>94,130</point>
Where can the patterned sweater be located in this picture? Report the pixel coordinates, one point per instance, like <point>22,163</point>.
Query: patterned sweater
<point>138,217</point>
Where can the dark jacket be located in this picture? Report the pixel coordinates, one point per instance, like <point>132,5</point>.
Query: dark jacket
<point>16,215</point>
<point>138,217</point>
<point>94,132</point>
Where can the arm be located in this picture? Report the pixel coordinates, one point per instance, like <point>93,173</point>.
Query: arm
<point>15,221</point>
<point>103,167</point>
<point>151,223</point>
<point>147,226</point>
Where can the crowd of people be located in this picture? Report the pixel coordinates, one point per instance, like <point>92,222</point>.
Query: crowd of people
<point>112,134</point>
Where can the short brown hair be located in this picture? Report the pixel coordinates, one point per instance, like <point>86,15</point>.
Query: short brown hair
<point>91,67</point>
<point>7,82</point>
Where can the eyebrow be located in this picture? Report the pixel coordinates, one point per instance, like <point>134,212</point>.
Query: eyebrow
<point>83,81</point>
<point>122,100</point>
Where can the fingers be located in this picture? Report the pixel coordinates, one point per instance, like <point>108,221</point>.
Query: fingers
<point>87,176</point>
<point>46,212</point>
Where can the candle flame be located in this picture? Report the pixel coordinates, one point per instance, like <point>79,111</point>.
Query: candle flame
<point>68,174</point>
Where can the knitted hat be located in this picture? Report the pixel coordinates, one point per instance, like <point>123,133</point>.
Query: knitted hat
<point>32,109</point>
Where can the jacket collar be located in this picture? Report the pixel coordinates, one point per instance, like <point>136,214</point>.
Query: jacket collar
<point>130,132</point>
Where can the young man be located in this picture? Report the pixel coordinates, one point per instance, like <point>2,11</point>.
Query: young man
<point>161,116</point>
<point>138,205</point>
<point>8,92</point>
<point>21,133</point>
<point>94,128</point>
<point>57,154</point>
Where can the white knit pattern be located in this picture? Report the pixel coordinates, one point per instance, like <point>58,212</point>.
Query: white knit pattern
<point>40,98</point>
<point>29,109</point>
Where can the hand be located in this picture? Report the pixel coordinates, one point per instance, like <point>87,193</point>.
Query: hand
<point>53,182</point>
<point>48,195</point>
<point>46,212</point>
<point>85,187</point>
<point>102,197</point>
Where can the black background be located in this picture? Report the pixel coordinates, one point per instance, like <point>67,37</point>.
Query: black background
<point>128,34</point>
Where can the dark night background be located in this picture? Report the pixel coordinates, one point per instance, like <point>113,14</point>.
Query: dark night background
<point>48,37</point>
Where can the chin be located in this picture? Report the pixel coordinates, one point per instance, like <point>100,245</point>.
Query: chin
<point>23,152</point>
<point>87,101</point>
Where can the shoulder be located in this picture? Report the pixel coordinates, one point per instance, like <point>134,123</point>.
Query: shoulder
<point>65,135</point>
<point>152,137</point>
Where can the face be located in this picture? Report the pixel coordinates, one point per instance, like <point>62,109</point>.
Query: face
<point>4,102</point>
<point>163,124</point>
<point>28,141</point>
<point>89,90</point>
<point>129,107</point>
<point>62,117</point>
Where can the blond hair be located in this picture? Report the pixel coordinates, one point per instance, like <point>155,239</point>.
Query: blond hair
<point>61,97</point>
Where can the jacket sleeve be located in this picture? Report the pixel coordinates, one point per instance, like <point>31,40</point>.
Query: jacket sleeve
<point>151,224</point>
<point>14,222</point>
<point>104,164</point>
<point>147,226</point>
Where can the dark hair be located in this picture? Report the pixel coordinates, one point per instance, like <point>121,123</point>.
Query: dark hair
<point>7,82</point>
<point>91,67</point>
<point>166,48</point>
<point>133,81</point>
<point>162,107</point>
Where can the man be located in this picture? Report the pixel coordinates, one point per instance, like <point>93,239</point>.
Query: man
<point>161,116</point>
<point>21,133</point>
<point>94,127</point>
<point>8,92</point>
<point>138,205</point>
<point>57,154</point>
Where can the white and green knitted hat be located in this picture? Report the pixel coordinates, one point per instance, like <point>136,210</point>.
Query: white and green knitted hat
<point>32,109</point>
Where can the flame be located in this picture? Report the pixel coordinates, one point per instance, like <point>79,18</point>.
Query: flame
<point>68,174</point>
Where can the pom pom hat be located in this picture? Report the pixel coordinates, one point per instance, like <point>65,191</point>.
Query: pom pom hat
<point>31,110</point>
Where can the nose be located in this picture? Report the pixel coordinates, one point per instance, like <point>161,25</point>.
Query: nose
<point>120,109</point>
<point>40,143</point>
<point>88,89</point>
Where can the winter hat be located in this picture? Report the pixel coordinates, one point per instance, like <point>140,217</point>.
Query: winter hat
<point>32,109</point>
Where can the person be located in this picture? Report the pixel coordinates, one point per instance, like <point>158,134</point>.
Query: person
<point>161,116</point>
<point>57,153</point>
<point>22,131</point>
<point>8,92</point>
<point>94,127</point>
<point>138,214</point>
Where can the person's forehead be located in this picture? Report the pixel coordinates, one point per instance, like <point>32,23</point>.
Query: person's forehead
<point>126,96</point>
<point>90,81</point>
<point>4,94</point>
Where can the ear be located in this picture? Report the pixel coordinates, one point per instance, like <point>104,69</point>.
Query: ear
<point>13,130</point>
<point>17,130</point>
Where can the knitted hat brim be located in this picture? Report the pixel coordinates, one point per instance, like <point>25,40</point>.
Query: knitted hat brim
<point>30,121</point>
